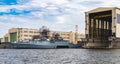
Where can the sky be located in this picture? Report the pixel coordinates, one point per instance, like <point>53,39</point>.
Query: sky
<point>57,15</point>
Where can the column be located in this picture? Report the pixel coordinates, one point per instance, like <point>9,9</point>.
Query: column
<point>99,24</point>
<point>100,28</point>
<point>92,27</point>
<point>97,28</point>
<point>87,24</point>
<point>108,28</point>
<point>105,30</point>
<point>92,23</point>
<point>107,25</point>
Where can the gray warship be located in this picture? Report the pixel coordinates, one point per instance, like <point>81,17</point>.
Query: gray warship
<point>42,41</point>
<point>41,44</point>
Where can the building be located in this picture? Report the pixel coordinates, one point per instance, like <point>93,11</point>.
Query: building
<point>20,34</point>
<point>0,40</point>
<point>72,37</point>
<point>101,24</point>
<point>6,38</point>
<point>25,34</point>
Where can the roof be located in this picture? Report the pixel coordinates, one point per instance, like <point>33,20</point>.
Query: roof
<point>102,9</point>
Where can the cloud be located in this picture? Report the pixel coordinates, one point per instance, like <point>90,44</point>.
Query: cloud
<point>61,20</point>
<point>90,3</point>
<point>60,15</point>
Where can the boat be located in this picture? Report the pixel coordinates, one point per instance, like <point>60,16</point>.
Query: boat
<point>41,44</point>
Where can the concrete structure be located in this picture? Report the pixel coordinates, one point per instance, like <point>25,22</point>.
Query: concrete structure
<point>101,24</point>
<point>20,34</point>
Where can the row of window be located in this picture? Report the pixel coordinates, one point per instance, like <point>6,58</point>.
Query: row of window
<point>65,34</point>
<point>66,37</point>
<point>28,32</point>
<point>26,35</point>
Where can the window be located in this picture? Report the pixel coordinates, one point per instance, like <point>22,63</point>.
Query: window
<point>30,35</point>
<point>25,31</point>
<point>26,35</point>
<point>31,31</point>
<point>35,32</point>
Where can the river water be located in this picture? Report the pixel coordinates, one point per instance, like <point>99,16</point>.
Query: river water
<point>59,56</point>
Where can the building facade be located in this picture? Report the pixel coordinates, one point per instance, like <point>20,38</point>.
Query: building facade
<point>101,24</point>
<point>1,40</point>
<point>25,34</point>
<point>72,37</point>
<point>20,34</point>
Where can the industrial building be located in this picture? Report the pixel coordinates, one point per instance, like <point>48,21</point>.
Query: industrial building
<point>102,26</point>
<point>19,34</point>
<point>26,34</point>
<point>1,40</point>
<point>72,37</point>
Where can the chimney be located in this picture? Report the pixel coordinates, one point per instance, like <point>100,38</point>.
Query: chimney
<point>76,27</point>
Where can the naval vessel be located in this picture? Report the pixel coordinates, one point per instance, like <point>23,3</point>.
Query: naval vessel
<point>40,44</point>
<point>42,41</point>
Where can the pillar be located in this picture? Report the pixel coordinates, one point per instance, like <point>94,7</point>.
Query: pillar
<point>105,30</point>
<point>92,27</point>
<point>107,25</point>
<point>97,28</point>
<point>100,28</point>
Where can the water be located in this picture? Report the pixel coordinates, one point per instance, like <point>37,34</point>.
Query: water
<point>59,56</point>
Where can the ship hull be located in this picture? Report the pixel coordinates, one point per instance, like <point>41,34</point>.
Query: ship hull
<point>38,46</point>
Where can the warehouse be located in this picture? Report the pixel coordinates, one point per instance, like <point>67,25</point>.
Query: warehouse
<point>101,24</point>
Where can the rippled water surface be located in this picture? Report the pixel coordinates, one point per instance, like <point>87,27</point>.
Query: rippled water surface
<point>59,56</point>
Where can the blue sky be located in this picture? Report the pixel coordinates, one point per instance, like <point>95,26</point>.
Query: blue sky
<point>60,15</point>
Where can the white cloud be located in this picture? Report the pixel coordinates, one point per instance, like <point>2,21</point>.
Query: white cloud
<point>37,14</point>
<point>61,19</point>
<point>52,8</point>
<point>3,9</point>
<point>66,14</point>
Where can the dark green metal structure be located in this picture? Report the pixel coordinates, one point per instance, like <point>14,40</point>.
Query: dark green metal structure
<point>13,37</point>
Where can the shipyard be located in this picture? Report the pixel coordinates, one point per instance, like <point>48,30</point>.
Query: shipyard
<point>43,38</point>
<point>59,32</point>
<point>102,27</point>
<point>101,31</point>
